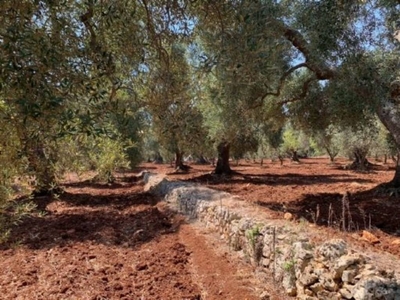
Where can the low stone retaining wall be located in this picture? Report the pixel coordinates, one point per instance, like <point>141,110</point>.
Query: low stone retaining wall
<point>281,248</point>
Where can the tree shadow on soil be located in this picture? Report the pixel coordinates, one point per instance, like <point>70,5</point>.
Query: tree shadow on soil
<point>365,210</point>
<point>96,185</point>
<point>127,220</point>
<point>123,179</point>
<point>109,228</point>
<point>276,179</point>
<point>118,201</point>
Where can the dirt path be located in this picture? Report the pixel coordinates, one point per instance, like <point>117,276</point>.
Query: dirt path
<point>217,276</point>
<point>219,271</point>
<point>113,242</point>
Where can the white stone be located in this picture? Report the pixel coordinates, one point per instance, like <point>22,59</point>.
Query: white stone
<point>348,276</point>
<point>373,287</point>
<point>345,262</point>
<point>308,277</point>
<point>346,291</point>
<point>332,250</point>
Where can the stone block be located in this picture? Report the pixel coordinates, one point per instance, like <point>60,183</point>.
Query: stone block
<point>349,275</point>
<point>331,250</point>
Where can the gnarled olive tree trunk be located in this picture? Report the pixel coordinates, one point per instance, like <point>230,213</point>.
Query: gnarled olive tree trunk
<point>158,159</point>
<point>295,156</point>
<point>389,114</point>
<point>223,166</point>
<point>41,165</point>
<point>360,161</point>
<point>179,165</point>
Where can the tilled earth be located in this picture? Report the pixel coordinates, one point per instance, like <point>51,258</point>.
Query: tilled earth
<point>113,242</point>
<point>99,241</point>
<point>313,190</point>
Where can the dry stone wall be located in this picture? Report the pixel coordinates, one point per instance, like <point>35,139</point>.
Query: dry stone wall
<point>306,271</point>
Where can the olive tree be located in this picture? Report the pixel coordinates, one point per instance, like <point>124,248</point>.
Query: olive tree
<point>272,54</point>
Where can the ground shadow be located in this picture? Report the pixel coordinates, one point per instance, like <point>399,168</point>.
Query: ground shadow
<point>126,220</point>
<point>364,210</point>
<point>109,228</point>
<point>118,201</point>
<point>122,179</point>
<point>276,179</point>
<point>96,185</point>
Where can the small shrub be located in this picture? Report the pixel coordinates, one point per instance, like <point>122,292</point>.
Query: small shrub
<point>288,266</point>
<point>107,156</point>
<point>252,235</point>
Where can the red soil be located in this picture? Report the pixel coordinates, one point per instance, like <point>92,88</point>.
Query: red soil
<point>116,242</point>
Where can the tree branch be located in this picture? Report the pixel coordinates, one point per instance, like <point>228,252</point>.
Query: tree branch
<point>104,59</point>
<point>389,113</point>
<point>157,40</point>
<point>321,70</point>
<point>277,93</point>
<point>303,93</point>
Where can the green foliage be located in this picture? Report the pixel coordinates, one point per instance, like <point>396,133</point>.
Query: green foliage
<point>289,265</point>
<point>12,162</point>
<point>11,214</point>
<point>104,155</point>
<point>327,141</point>
<point>188,75</point>
<point>128,121</point>
<point>383,144</point>
<point>252,235</point>
<point>290,140</point>
<point>175,117</point>
<point>107,156</point>
<point>243,143</point>
<point>317,67</point>
<point>361,139</point>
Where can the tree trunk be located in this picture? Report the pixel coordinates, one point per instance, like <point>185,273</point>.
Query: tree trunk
<point>280,157</point>
<point>360,160</point>
<point>395,182</point>
<point>179,165</point>
<point>178,159</point>
<point>223,166</point>
<point>389,114</point>
<point>295,157</point>
<point>332,154</point>
<point>158,159</point>
<point>43,169</point>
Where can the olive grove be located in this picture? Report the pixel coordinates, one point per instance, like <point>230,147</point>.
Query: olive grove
<point>84,79</point>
